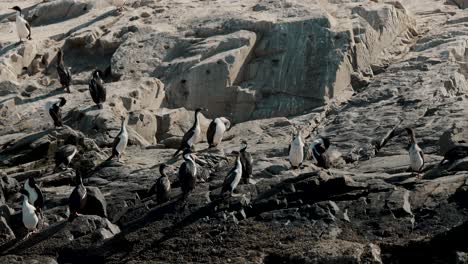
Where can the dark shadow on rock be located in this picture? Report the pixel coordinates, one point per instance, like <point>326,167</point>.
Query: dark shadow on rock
<point>19,245</point>
<point>60,37</point>
<point>41,97</point>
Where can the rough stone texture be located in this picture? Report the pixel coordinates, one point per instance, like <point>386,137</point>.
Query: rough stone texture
<point>6,234</point>
<point>13,259</point>
<point>246,75</point>
<point>372,67</point>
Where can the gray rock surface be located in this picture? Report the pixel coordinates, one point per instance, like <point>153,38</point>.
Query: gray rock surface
<point>358,72</point>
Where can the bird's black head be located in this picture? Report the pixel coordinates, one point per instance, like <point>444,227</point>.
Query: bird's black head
<point>97,74</point>
<point>17,8</point>
<point>409,130</point>
<point>24,192</point>
<point>63,101</point>
<point>244,145</point>
<point>326,142</point>
<point>200,109</point>
<point>32,181</point>
<point>78,178</point>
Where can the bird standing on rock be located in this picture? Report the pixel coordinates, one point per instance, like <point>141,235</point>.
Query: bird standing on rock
<point>97,89</point>
<point>216,130</point>
<point>55,111</point>
<point>319,147</point>
<point>64,155</point>
<point>246,161</point>
<point>63,72</point>
<point>192,136</point>
<point>233,177</point>
<point>29,214</point>
<point>35,196</point>
<point>78,197</point>
<point>163,186</point>
<point>120,141</point>
<point>187,173</point>
<point>22,26</point>
<point>296,151</point>
<point>416,154</point>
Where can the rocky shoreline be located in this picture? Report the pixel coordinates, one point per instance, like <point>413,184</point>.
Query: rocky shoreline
<point>354,71</point>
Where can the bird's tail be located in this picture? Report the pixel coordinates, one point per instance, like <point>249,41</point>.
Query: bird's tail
<point>100,106</point>
<point>442,162</point>
<point>111,157</point>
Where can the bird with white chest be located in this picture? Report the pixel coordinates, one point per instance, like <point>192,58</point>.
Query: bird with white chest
<point>22,26</point>
<point>29,214</point>
<point>416,154</point>
<point>233,177</point>
<point>216,130</point>
<point>296,150</point>
<point>192,136</point>
<point>35,196</point>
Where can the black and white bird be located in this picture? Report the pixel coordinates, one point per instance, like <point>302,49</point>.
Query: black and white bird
<point>55,111</point>
<point>187,173</point>
<point>35,196</point>
<point>318,148</point>
<point>97,89</point>
<point>192,136</point>
<point>246,161</point>
<point>22,26</point>
<point>455,153</point>
<point>63,72</point>
<point>416,154</point>
<point>30,215</point>
<point>296,151</point>
<point>233,177</point>
<point>64,155</point>
<point>78,197</point>
<point>216,130</point>
<point>120,141</point>
<point>163,186</point>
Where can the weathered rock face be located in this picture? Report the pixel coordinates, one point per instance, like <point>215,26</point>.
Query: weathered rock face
<point>246,75</point>
<point>374,67</point>
<point>56,11</point>
<point>127,96</point>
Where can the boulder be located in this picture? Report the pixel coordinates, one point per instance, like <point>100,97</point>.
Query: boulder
<point>6,234</point>
<point>144,123</point>
<point>246,75</point>
<point>9,186</point>
<point>56,11</point>
<point>29,259</point>
<point>87,224</point>
<point>127,96</point>
<point>9,87</point>
<point>175,122</point>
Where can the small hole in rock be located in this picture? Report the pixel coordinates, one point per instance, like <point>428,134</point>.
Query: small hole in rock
<point>183,81</point>
<point>208,71</point>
